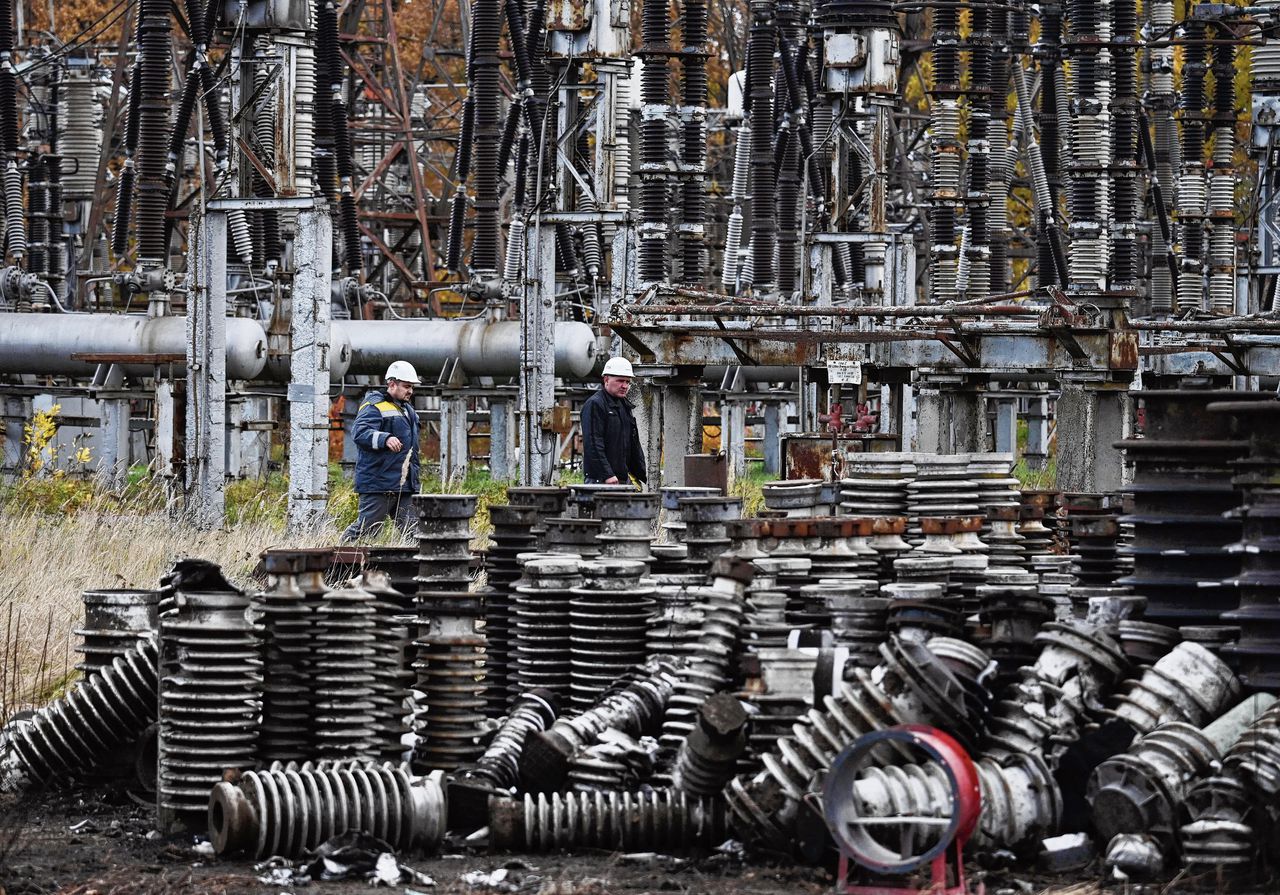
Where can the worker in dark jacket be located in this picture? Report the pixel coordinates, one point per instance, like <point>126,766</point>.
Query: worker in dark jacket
<point>611,449</point>
<point>386,433</point>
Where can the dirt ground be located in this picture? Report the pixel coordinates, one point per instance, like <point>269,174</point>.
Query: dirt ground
<point>101,843</point>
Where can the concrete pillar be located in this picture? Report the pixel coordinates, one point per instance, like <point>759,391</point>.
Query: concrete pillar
<point>733,436</point>
<point>255,438</point>
<point>1092,416</point>
<point>681,430</point>
<point>453,438</point>
<point>772,448</point>
<point>206,418</point>
<point>165,427</point>
<point>949,419</point>
<point>537,356</point>
<point>1006,427</point>
<point>112,462</point>
<point>1036,452</point>
<point>502,444</point>
<point>309,371</point>
<point>16,412</point>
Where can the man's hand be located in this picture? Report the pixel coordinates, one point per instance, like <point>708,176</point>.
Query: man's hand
<point>611,480</point>
<point>394,444</point>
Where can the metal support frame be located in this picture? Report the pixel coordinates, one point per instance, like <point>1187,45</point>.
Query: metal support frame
<point>309,371</point>
<point>537,354</point>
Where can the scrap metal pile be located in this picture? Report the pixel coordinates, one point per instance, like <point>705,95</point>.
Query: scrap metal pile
<point>1107,662</point>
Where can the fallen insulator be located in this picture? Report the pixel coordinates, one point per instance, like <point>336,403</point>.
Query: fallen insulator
<point>114,623</point>
<point>1188,684</point>
<point>709,755</point>
<point>656,820</point>
<point>76,733</point>
<point>290,809</point>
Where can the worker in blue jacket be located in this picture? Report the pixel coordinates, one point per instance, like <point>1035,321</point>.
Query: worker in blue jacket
<point>386,433</point>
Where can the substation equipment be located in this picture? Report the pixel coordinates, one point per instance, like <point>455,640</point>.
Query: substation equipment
<point>219,219</point>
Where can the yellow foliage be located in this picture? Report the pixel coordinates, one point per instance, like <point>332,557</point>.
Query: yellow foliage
<point>38,435</point>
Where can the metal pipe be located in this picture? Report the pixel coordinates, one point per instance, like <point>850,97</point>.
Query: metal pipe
<point>483,348</point>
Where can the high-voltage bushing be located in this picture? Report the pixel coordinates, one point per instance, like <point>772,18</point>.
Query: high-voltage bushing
<point>762,44</point>
<point>626,524</point>
<point>1182,493</point>
<point>912,686</point>
<point>400,565</point>
<point>1076,670</point>
<point>210,681</point>
<point>1233,815</point>
<point>512,536</point>
<point>921,611</point>
<point>497,772</point>
<point>577,537</point>
<point>631,706</point>
<point>1093,533</point>
<point>1257,653</point>
<point>608,617</point>
<point>693,141</point>
<point>941,488</point>
<point>655,169</point>
<point>290,809</point>
<point>705,535</point>
<point>859,621</point>
<point>392,666</point>
<point>1188,684</point>
<point>876,484</point>
<point>673,527</point>
<point>721,610</point>
<point>450,651</point>
<point>546,501</point>
<point>344,647</point>
<point>1007,547</point>
<point>115,621</point>
<point>79,731</point>
<point>709,755</point>
<point>1014,610</point>
<point>656,820</point>
<point>295,586</point>
<point>80,127</point>
<point>1037,509</point>
<point>1141,790</point>
<point>540,643</point>
<point>794,497</point>
<point>1145,642</point>
<point>1020,799</point>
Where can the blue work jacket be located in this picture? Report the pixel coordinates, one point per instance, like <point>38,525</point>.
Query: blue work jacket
<point>377,468</point>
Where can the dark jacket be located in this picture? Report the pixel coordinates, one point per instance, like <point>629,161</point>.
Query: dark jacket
<point>377,468</point>
<point>610,440</point>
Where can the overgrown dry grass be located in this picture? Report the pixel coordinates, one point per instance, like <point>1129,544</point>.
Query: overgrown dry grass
<point>46,561</point>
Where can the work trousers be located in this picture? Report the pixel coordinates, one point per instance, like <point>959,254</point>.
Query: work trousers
<point>376,508</point>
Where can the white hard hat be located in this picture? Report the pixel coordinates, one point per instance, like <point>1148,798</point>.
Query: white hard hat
<point>618,366</point>
<point>403,371</point>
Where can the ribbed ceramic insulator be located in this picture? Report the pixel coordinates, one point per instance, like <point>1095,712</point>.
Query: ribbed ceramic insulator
<point>660,820</point>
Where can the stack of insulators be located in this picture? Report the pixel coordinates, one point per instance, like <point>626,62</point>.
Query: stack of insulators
<point>1008,547</point>
<point>997,486</point>
<point>608,616</point>
<point>761,46</point>
<point>1013,610</point>
<point>858,617</point>
<point>924,569</point>
<point>668,565</point>
<point>673,527</point>
<point>38,217</point>
<point>693,149</point>
<point>655,31</point>
<point>450,651</point>
<point>1093,532</point>
<point>392,666</point>
<point>1183,495</point>
<point>912,685</point>
<point>794,497</point>
<point>1037,508</point>
<point>920,612</point>
<point>844,550</point>
<point>569,535</point>
<point>115,622</point>
<point>887,541</point>
<point>675,627</point>
<point>582,498</point>
<point>400,565</point>
<point>1256,654</point>
<point>876,484</point>
<point>791,575</point>
<point>1058,583</point>
<point>484,64</point>
<point>546,502</point>
<point>766,624</point>
<point>626,525</point>
<point>295,587</point>
<point>344,647</point>
<point>706,534</point>
<point>512,536</point>
<point>210,680</point>
<point>541,641</point>
<point>941,488</point>
<point>711,667</point>
<point>950,536</point>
